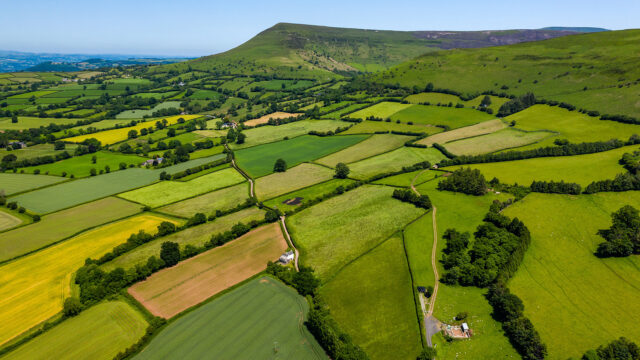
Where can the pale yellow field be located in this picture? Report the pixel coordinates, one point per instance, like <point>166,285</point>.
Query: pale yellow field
<point>482,128</point>
<point>33,288</point>
<point>265,119</point>
<point>117,135</point>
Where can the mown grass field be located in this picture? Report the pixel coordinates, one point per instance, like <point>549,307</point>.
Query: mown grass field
<point>445,99</point>
<point>384,287</point>
<point>308,193</point>
<point>259,160</point>
<point>197,236</point>
<point>374,145</point>
<point>167,192</point>
<point>298,177</point>
<point>440,115</point>
<point>393,161</point>
<point>33,288</point>
<point>140,113</point>
<point>8,220</point>
<point>482,128</point>
<point>576,300</point>
<point>100,332</point>
<point>57,226</point>
<point>267,134</point>
<point>38,150</point>
<point>26,122</point>
<point>80,166</point>
<point>334,232</point>
<point>370,127</point>
<point>499,140</point>
<point>173,290</point>
<point>13,183</point>
<point>208,203</point>
<point>265,119</point>
<point>581,169</point>
<point>247,322</point>
<point>405,179</point>
<point>381,110</point>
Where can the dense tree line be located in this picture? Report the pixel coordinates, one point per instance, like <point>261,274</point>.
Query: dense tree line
<point>622,182</point>
<point>619,349</point>
<point>196,169</point>
<point>155,325</point>
<point>406,195</point>
<point>466,180</point>
<point>623,237</point>
<point>552,187</point>
<point>516,105</point>
<point>631,161</point>
<point>444,151</point>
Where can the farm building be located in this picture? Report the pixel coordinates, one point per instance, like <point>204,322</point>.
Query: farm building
<point>287,257</point>
<point>152,162</point>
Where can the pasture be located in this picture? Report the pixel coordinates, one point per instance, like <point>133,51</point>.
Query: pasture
<point>8,220</point>
<point>295,178</point>
<point>405,179</point>
<point>381,110</point>
<point>33,288</point>
<point>593,300</point>
<point>140,113</point>
<point>80,166</point>
<point>393,161</point>
<point>371,127</point>
<point>11,183</point>
<point>267,134</point>
<point>38,150</point>
<point>440,115</point>
<point>173,290</point>
<point>100,332</point>
<point>305,194</point>
<point>374,145</point>
<point>482,128</point>
<point>265,119</point>
<point>26,122</point>
<point>333,233</point>
<point>259,160</point>
<point>251,322</point>
<point>444,99</point>
<point>208,203</point>
<point>499,140</point>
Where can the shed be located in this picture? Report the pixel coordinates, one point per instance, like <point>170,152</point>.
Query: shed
<point>465,327</point>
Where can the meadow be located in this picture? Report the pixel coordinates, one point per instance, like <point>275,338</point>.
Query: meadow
<point>269,133</point>
<point>371,127</point>
<point>499,140</point>
<point>11,183</point>
<point>593,300</point>
<point>440,115</point>
<point>306,194</point>
<point>295,178</point>
<point>333,233</point>
<point>486,127</point>
<point>381,110</point>
<point>405,179</point>
<point>444,99</point>
<point>39,150</point>
<point>223,199</point>
<point>34,287</point>
<point>173,290</point>
<point>80,166</point>
<point>374,145</point>
<point>140,113</point>
<point>265,119</point>
<point>259,160</point>
<point>8,221</point>
<point>98,333</point>
<point>393,161</point>
<point>251,321</point>
<point>26,122</point>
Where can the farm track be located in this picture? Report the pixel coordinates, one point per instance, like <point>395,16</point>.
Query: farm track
<point>286,232</point>
<point>235,166</point>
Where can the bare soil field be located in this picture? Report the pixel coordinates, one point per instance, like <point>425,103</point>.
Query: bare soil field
<point>265,119</point>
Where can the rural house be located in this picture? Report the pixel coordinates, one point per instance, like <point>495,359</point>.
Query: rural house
<point>287,257</point>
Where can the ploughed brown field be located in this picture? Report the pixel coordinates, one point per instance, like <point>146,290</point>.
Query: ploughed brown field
<point>173,290</point>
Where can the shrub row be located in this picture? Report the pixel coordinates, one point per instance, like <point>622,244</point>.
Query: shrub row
<point>552,187</point>
<point>406,195</point>
<point>197,169</point>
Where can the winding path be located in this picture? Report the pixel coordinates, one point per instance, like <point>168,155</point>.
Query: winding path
<point>235,166</point>
<point>286,232</point>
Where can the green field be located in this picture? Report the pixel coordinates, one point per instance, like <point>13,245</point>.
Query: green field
<point>247,322</point>
<point>100,332</point>
<point>591,301</point>
<point>381,110</point>
<point>139,114</point>
<point>440,98</point>
<point>259,160</point>
<point>80,166</point>
<point>205,95</point>
<point>482,128</point>
<point>580,169</point>
<point>499,140</point>
<point>14,183</point>
<point>405,179</point>
<point>25,122</point>
<point>269,133</point>
<point>223,199</point>
<point>38,150</point>
<point>167,192</point>
<point>393,161</point>
<point>374,145</point>
<point>10,220</point>
<point>370,127</point>
<point>384,287</point>
<point>295,178</point>
<point>308,193</point>
<point>440,115</point>
<point>334,232</point>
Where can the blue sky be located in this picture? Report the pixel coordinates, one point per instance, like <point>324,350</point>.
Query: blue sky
<point>197,27</point>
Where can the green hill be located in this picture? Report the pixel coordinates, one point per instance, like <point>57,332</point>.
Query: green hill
<point>595,71</point>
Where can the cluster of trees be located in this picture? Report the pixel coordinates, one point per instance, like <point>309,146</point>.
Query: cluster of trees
<point>406,195</point>
<point>620,349</point>
<point>444,150</point>
<point>236,135</point>
<point>194,170</point>
<point>330,133</point>
<point>622,182</point>
<point>552,187</point>
<point>342,171</point>
<point>631,161</point>
<point>623,237</point>
<point>280,165</point>
<point>516,105</point>
<point>11,161</point>
<point>304,281</point>
<point>466,180</point>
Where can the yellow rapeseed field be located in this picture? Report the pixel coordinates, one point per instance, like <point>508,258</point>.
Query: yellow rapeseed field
<point>33,288</point>
<point>116,135</point>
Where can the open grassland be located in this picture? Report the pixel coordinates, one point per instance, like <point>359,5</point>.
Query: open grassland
<point>374,145</point>
<point>259,160</point>
<point>440,98</point>
<point>499,140</point>
<point>80,166</point>
<point>13,183</point>
<point>370,127</point>
<point>26,122</point>
<point>336,231</point>
<point>580,169</point>
<point>464,213</point>
<point>38,150</point>
<point>117,135</point>
<point>246,323</point>
<point>33,288</point>
<point>60,225</point>
<point>171,291</point>
<point>100,332</point>
<point>393,161</point>
<point>383,287</point>
<point>381,110</point>
<point>140,113</point>
<point>405,179</point>
<point>208,203</point>
<point>482,128</point>
<point>306,194</point>
<point>576,300</point>
<point>418,240</point>
<point>267,134</point>
<point>8,221</point>
<point>496,102</point>
<point>196,236</point>
<point>439,115</point>
<point>265,119</point>
<point>167,192</point>
<point>295,178</point>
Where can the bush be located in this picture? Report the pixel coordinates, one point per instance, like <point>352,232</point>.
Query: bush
<point>72,307</point>
<point>170,253</point>
<point>405,195</point>
<point>280,166</point>
<point>342,171</point>
<point>468,181</point>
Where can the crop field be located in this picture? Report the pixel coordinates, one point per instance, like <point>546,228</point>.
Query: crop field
<point>173,290</point>
<point>60,225</point>
<point>383,282</point>
<point>393,161</point>
<point>14,183</point>
<point>499,140</point>
<point>578,169</point>
<point>370,127</point>
<point>208,203</point>
<point>290,201</point>
<point>482,128</point>
<point>196,236</point>
<point>381,110</point>
<point>8,221</point>
<point>139,114</point>
<point>98,333</point>
<point>80,166</point>
<point>259,160</point>
<point>25,122</point>
<point>362,217</point>
<point>374,145</point>
<point>295,178</point>
<point>265,119</point>
<point>39,150</point>
<point>267,134</point>
<point>593,300</point>
<point>244,323</point>
<point>33,287</point>
<point>117,135</point>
